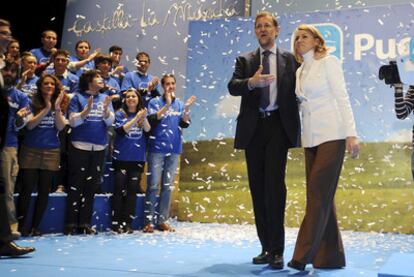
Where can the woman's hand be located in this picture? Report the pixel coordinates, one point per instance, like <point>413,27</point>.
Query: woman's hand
<point>352,146</point>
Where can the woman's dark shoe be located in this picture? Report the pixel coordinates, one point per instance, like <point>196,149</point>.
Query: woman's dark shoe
<point>88,231</point>
<point>296,265</point>
<point>69,231</point>
<point>276,261</point>
<point>36,233</point>
<point>129,230</point>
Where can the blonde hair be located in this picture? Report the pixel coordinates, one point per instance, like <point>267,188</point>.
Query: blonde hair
<point>320,49</point>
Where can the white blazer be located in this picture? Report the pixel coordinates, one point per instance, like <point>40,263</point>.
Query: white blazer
<point>325,108</point>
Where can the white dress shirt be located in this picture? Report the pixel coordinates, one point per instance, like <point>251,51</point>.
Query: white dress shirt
<point>325,108</point>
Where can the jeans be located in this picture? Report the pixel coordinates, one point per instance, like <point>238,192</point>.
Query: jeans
<point>161,167</point>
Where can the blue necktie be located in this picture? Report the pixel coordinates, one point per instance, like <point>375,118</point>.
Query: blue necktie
<point>264,97</point>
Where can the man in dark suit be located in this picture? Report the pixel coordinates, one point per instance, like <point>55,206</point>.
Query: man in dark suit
<point>7,246</point>
<point>267,126</point>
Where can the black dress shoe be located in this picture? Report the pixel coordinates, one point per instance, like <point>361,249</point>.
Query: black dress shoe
<point>276,261</point>
<point>296,265</point>
<point>11,249</point>
<point>262,258</point>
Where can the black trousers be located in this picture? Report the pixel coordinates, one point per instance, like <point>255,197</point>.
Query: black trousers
<point>31,178</point>
<point>127,180</point>
<point>266,157</point>
<point>84,171</point>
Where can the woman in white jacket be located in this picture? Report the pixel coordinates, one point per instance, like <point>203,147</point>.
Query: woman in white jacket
<point>328,129</point>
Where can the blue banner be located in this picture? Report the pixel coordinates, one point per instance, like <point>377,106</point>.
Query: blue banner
<point>158,27</point>
<point>364,39</point>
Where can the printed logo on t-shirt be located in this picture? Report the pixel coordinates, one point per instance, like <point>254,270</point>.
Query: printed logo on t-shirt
<point>135,132</point>
<point>96,113</point>
<point>48,121</point>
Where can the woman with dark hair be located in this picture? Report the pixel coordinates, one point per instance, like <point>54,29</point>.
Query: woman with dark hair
<point>131,126</point>
<point>168,116</point>
<point>90,113</point>
<point>40,152</point>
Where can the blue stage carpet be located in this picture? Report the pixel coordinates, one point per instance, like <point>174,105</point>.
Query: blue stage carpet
<point>194,250</point>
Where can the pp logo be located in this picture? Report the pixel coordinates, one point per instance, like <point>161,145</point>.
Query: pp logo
<point>333,37</point>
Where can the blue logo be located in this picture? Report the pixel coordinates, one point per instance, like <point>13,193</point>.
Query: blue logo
<point>333,37</point>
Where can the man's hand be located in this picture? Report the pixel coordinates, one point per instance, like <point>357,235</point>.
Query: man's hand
<point>259,80</point>
<point>152,83</point>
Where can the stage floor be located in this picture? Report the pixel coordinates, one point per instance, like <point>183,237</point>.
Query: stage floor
<point>194,250</point>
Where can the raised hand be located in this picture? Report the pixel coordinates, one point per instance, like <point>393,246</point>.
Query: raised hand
<point>190,101</point>
<point>90,104</point>
<point>23,112</point>
<point>107,101</point>
<point>59,99</point>
<point>153,83</point>
<point>352,146</point>
<point>259,80</point>
<point>168,97</point>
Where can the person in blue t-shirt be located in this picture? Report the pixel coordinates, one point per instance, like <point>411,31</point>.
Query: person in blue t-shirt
<point>146,84</point>
<point>40,153</point>
<point>103,63</point>
<point>118,70</point>
<point>131,127</point>
<point>69,81</point>
<point>43,54</point>
<point>28,79</point>
<point>165,147</point>
<point>9,168</point>
<point>90,114</point>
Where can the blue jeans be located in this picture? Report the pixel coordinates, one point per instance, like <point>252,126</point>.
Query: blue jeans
<point>161,167</point>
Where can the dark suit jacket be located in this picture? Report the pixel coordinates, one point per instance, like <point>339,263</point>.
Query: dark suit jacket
<point>246,66</point>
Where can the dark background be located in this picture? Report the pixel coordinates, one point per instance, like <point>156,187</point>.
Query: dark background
<point>30,18</point>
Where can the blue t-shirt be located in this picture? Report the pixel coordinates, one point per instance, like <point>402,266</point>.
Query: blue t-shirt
<point>17,100</point>
<point>69,81</point>
<point>93,129</point>
<point>44,135</point>
<point>166,137</point>
<point>113,83</point>
<point>131,146</point>
<point>138,81</point>
<point>29,87</point>
<point>42,56</point>
<point>117,76</point>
